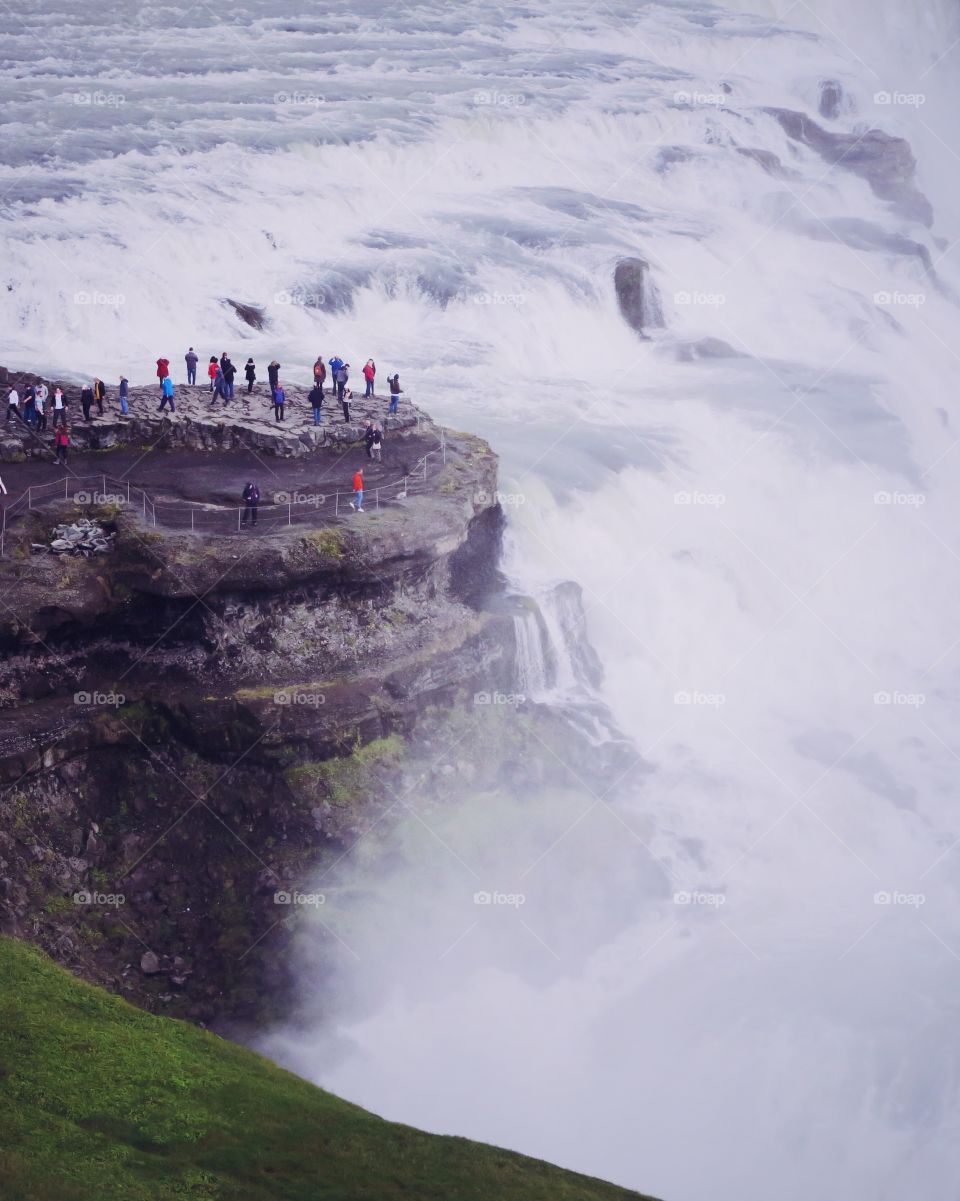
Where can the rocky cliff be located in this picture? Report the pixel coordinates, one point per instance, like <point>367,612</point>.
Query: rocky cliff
<point>191,722</point>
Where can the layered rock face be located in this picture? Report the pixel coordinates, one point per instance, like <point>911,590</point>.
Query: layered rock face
<point>191,723</point>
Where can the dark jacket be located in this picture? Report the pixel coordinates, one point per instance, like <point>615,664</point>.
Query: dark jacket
<point>251,494</point>
<point>316,397</point>
<point>250,371</point>
<point>273,374</point>
<point>395,388</point>
<point>229,371</point>
<point>368,436</point>
<point>191,359</point>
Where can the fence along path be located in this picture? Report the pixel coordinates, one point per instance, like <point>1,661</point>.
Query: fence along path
<point>300,508</point>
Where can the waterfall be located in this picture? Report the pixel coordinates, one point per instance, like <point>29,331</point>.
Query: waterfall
<point>533,671</point>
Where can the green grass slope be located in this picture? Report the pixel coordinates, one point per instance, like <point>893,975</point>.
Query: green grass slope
<point>102,1101</point>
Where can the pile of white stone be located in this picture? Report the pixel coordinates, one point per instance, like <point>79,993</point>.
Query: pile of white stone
<point>81,538</point>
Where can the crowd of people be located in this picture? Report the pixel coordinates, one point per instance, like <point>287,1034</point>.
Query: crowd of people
<point>37,404</point>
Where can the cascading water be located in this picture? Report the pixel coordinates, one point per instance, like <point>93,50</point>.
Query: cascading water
<point>533,674</point>
<point>744,985</point>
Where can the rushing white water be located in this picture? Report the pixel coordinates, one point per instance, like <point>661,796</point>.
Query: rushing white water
<point>740,981</point>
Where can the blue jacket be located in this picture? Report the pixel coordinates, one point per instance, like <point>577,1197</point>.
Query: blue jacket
<point>335,365</point>
<point>168,386</point>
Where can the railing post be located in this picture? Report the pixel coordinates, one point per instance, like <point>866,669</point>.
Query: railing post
<point>103,489</point>
<point>66,487</point>
<point>289,513</point>
<point>128,491</point>
<point>376,499</point>
<point>191,520</point>
<point>144,495</point>
<point>443,444</point>
<point>336,504</point>
<point>238,519</point>
<point>29,498</point>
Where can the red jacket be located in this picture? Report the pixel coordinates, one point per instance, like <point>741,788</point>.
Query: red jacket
<point>212,369</point>
<point>163,368</point>
<point>369,372</point>
<point>358,481</point>
<point>62,438</point>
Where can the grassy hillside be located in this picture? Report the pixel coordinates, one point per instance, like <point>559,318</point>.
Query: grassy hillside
<point>101,1100</point>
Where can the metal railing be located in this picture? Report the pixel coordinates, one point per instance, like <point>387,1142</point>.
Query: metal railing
<point>299,508</point>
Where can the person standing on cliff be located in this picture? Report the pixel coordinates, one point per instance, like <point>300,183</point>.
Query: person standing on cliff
<point>59,408</point>
<point>273,375</point>
<point>319,374</point>
<point>99,392</point>
<point>40,400</point>
<point>250,371</point>
<point>279,400</point>
<point>369,374</point>
<point>86,401</point>
<point>229,371</point>
<point>167,395</point>
<point>316,402</point>
<point>368,437</point>
<point>345,399</point>
<point>13,403</point>
<point>123,394</point>
<point>343,378</point>
<point>357,502</point>
<point>163,370</point>
<point>212,368</point>
<point>61,441</point>
<point>334,363</point>
<point>376,446</point>
<point>191,358</point>
<point>395,391</point>
<point>29,404</point>
<point>251,499</point>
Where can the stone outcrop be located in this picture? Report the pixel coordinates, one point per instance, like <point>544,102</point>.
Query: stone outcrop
<point>637,295</point>
<point>884,161</point>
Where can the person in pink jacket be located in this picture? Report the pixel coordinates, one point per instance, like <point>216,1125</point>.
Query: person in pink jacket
<point>369,374</point>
